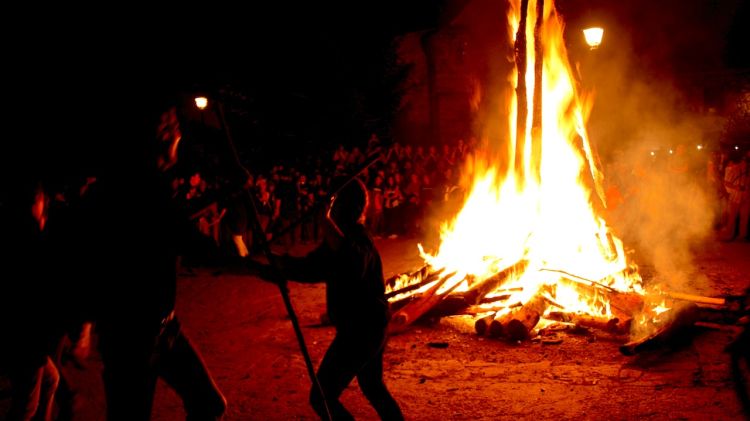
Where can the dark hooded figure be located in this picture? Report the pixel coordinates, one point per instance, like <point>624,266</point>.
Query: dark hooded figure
<point>348,262</point>
<point>133,235</point>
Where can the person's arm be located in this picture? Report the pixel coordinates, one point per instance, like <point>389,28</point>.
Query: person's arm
<point>306,269</point>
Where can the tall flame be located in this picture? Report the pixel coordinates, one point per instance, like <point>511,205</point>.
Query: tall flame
<point>552,220</point>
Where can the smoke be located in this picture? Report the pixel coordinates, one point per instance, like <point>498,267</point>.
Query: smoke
<point>666,210</point>
<point>655,140</point>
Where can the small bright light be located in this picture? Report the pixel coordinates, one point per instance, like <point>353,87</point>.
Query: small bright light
<point>201,102</point>
<point>700,147</point>
<point>593,36</point>
<point>736,148</point>
<point>653,153</point>
<point>671,152</point>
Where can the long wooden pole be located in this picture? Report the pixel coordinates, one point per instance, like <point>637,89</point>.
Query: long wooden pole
<point>522,111</point>
<point>280,281</point>
<point>536,119</point>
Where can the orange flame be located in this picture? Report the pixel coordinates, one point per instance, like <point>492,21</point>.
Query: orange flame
<point>553,220</point>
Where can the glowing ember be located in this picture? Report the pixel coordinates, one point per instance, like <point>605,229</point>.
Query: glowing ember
<point>544,209</point>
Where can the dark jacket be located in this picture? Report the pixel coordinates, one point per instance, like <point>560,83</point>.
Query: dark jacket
<point>355,290</point>
<point>132,237</point>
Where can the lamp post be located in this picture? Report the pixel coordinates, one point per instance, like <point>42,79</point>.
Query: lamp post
<point>593,36</point>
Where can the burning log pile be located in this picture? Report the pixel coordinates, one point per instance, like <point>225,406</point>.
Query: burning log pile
<point>496,308</point>
<point>530,249</point>
<point>498,314</point>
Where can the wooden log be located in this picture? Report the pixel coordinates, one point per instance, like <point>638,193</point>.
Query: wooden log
<point>418,307</point>
<point>504,294</point>
<point>518,323</point>
<point>673,330</point>
<point>612,325</point>
<point>484,309</point>
<point>418,279</point>
<point>432,277</point>
<point>450,305</point>
<point>520,48</point>
<point>536,117</point>
<point>625,304</point>
<point>398,305</point>
<point>696,298</point>
<point>415,276</point>
<point>482,324</point>
<point>496,327</point>
<point>481,289</point>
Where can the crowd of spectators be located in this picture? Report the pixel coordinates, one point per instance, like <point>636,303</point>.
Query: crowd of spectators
<point>403,182</point>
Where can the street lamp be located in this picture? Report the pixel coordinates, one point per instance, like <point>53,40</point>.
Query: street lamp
<point>201,102</point>
<point>593,36</point>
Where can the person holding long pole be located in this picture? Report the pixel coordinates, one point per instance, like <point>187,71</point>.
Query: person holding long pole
<point>350,265</point>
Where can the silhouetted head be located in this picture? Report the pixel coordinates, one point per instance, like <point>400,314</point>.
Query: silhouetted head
<point>349,204</point>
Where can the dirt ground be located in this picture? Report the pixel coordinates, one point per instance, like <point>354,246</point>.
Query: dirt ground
<point>240,325</point>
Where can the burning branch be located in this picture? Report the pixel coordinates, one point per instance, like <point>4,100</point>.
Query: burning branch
<point>611,325</point>
<point>672,326</point>
<point>415,309</point>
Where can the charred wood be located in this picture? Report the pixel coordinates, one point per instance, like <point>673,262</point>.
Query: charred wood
<point>419,306</point>
<point>419,279</point>
<point>670,332</point>
<point>611,325</point>
<point>518,323</point>
<point>482,324</point>
<point>481,289</point>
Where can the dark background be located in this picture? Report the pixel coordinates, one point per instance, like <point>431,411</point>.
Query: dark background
<point>296,78</point>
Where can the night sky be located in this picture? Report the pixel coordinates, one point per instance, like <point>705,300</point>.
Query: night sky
<point>299,75</point>
<point>294,73</point>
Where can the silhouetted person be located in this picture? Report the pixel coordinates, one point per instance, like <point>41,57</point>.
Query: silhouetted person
<point>134,232</point>
<point>29,330</point>
<point>348,262</point>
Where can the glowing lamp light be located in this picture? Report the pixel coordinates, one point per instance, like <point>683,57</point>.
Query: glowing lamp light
<point>593,36</point>
<point>201,102</point>
<point>653,153</point>
<point>671,152</point>
<point>700,147</point>
<point>736,148</point>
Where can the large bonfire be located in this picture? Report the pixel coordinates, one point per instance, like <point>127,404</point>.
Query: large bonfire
<point>530,242</point>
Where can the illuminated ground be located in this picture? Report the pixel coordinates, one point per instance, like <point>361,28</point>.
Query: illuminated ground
<point>239,324</point>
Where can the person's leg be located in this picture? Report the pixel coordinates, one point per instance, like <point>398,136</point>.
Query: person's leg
<point>338,368</point>
<point>182,367</point>
<point>49,381</point>
<point>370,380</point>
<point>26,383</point>
<point>129,376</point>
